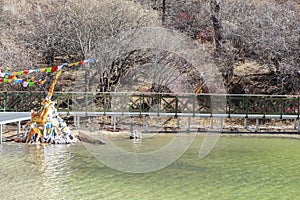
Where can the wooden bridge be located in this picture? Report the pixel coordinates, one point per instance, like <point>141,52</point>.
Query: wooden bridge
<point>154,104</point>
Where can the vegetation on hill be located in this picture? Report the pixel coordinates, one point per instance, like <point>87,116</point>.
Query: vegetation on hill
<point>234,33</point>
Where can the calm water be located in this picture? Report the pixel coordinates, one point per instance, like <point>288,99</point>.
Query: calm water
<point>237,168</point>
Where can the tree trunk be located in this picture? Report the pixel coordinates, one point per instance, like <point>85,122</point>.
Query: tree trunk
<point>163,11</point>
<point>215,16</point>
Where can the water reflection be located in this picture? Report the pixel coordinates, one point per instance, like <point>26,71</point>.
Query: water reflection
<point>34,169</point>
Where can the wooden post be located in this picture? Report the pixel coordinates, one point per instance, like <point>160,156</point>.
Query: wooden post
<point>145,121</point>
<point>245,123</point>
<point>114,123</point>
<point>257,125</point>
<point>19,128</point>
<point>222,124</point>
<point>78,121</point>
<point>75,118</point>
<point>189,124</point>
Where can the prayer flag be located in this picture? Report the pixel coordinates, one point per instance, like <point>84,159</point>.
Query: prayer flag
<point>25,84</point>
<point>54,68</point>
<point>91,60</point>
<point>49,69</point>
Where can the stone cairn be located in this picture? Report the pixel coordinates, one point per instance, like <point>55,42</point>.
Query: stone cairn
<point>45,125</point>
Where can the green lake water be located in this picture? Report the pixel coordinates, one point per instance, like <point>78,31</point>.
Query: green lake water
<point>237,168</point>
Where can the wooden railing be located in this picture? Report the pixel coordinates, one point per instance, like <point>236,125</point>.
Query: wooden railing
<point>228,105</point>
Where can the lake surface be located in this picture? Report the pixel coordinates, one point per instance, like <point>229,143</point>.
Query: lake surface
<point>237,168</point>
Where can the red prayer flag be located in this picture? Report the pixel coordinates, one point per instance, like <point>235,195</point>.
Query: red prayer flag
<point>54,68</point>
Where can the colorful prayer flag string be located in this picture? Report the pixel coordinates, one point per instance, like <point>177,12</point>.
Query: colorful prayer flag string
<point>26,82</point>
<point>52,69</point>
<point>11,77</point>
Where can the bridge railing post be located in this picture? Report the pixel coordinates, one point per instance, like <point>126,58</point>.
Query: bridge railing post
<point>228,105</point>
<point>247,104</point>
<point>194,104</point>
<point>264,107</point>
<point>85,104</point>
<point>1,129</point>
<point>142,101</point>
<point>298,105</point>
<point>176,105</point>
<point>281,107</point>
<point>5,101</point>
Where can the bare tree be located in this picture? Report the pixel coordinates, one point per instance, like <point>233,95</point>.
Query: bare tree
<point>267,32</point>
<point>69,30</point>
<point>72,30</point>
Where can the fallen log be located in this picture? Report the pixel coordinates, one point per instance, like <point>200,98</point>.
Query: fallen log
<point>88,139</point>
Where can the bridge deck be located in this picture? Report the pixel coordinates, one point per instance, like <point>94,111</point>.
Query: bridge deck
<point>11,117</point>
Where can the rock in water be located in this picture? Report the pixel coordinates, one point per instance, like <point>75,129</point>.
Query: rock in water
<point>88,139</point>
